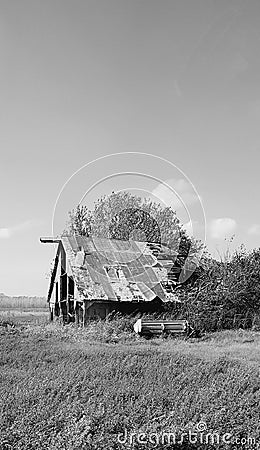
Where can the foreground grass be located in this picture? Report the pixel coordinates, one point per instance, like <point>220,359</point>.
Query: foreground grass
<point>68,389</point>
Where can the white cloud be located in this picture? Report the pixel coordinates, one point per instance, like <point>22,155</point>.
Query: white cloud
<point>222,227</point>
<point>188,228</point>
<point>178,195</point>
<point>6,233</point>
<point>254,230</point>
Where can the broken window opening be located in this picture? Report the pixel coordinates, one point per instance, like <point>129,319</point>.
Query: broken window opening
<point>114,273</point>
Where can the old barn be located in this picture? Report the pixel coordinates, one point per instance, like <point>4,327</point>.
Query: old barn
<point>92,277</point>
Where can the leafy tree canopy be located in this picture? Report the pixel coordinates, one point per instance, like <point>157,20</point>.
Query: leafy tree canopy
<point>122,215</point>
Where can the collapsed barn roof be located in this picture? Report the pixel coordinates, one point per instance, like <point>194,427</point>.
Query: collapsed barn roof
<point>118,270</point>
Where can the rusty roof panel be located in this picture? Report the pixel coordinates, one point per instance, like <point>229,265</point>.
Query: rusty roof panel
<point>127,272</point>
<point>150,273</point>
<point>109,290</point>
<point>73,243</point>
<point>158,290</point>
<point>146,291</point>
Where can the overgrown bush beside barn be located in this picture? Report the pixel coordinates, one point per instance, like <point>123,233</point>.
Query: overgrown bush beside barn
<point>226,295</point>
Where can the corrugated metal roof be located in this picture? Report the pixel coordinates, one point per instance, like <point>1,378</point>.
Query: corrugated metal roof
<point>118,270</point>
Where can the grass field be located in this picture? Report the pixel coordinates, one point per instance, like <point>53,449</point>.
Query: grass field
<point>26,310</point>
<point>99,388</point>
<point>24,316</point>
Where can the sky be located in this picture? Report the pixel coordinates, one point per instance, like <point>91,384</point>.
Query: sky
<point>83,79</point>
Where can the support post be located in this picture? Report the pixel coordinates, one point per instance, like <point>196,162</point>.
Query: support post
<point>51,313</point>
<point>77,314</point>
<point>67,298</point>
<point>63,297</point>
<point>84,313</point>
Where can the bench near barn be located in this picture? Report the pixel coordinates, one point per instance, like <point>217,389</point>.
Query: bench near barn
<point>146,327</point>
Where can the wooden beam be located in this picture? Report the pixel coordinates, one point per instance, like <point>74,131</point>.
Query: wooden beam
<point>53,275</point>
<point>50,240</point>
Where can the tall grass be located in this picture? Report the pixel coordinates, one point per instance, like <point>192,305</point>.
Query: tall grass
<point>81,392</point>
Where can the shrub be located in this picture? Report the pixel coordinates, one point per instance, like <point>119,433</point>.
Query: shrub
<point>226,295</point>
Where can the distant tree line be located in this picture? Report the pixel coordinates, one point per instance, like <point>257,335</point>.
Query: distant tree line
<point>22,301</point>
